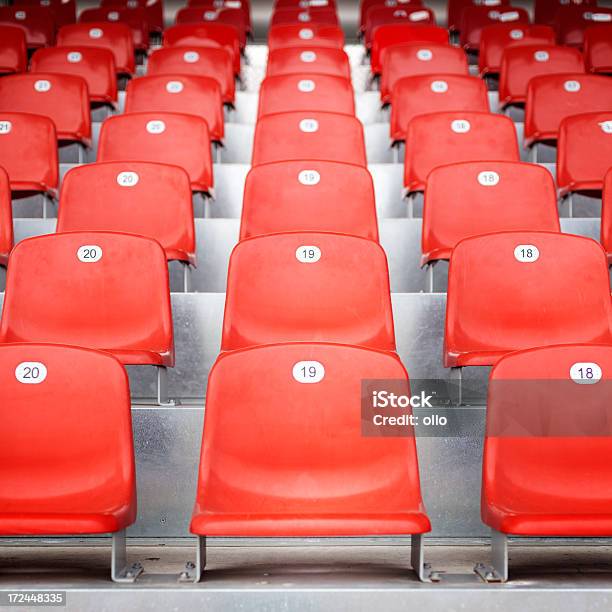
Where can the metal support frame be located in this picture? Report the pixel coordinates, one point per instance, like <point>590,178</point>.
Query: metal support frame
<point>498,570</point>
<point>218,147</point>
<point>533,153</point>
<point>47,200</point>
<point>456,381</point>
<point>186,276</point>
<point>120,570</point>
<point>410,198</point>
<point>429,270</point>
<point>417,560</point>
<point>193,571</point>
<point>395,148</point>
<point>162,388</point>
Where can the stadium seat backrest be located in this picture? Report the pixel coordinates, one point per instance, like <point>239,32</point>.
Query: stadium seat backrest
<point>242,5</point>
<point>99,290</point>
<point>472,198</point>
<point>397,33</point>
<point>497,37</point>
<point>410,14</point>
<point>306,92</point>
<point>192,95</point>
<point>116,37</point>
<point>64,11</point>
<point>134,18</point>
<point>325,15</point>
<point>63,98</point>
<point>281,4</point>
<point>95,65</point>
<point>296,196</point>
<point>552,97</point>
<point>414,59</point>
<point>67,458</point>
<point>215,62</point>
<point>308,286</point>
<point>154,10</point>
<point>584,151</point>
<point>205,34</point>
<point>416,95</point>
<point>168,138</point>
<point>455,7</point>
<point>38,23</point>
<point>28,152</point>
<point>234,18</point>
<point>6,218</point>
<point>13,50</point>
<point>545,467</point>
<point>598,48</point>
<point>475,18</point>
<point>572,20</point>
<point>522,63</point>
<point>366,5</point>
<point>543,288</point>
<point>451,137</point>
<point>299,486</point>
<point>546,10</point>
<point>309,135</point>
<point>313,35</point>
<point>132,197</point>
<point>606,216</point>
<point>316,60</point>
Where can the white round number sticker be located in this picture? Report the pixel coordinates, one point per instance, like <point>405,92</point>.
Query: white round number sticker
<point>5,127</point>
<point>156,127</point>
<point>601,17</point>
<point>74,57</point>
<point>571,86</point>
<point>309,177</point>
<point>89,253</point>
<point>541,56</point>
<point>509,16</point>
<point>439,86</point>
<point>585,373</point>
<point>306,85</point>
<point>308,372</point>
<point>303,17</point>
<point>606,127</point>
<point>308,57</point>
<point>95,33</point>
<point>191,57</point>
<point>306,34</point>
<point>309,125</point>
<point>42,86</point>
<point>308,254</point>
<point>460,126</point>
<point>210,16</point>
<point>418,16</point>
<point>488,178</point>
<point>21,15</point>
<point>425,55</point>
<point>526,253</point>
<point>516,34</point>
<point>31,372</point>
<point>174,87</point>
<point>113,16</point>
<point>127,179</point>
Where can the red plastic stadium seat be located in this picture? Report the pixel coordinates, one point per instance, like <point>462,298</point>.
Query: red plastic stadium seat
<point>192,95</point>
<point>606,216</point>
<point>100,290</point>
<point>552,97</point>
<point>584,152</point>
<point>95,65</point>
<point>13,50</point>
<point>475,18</point>
<point>302,59</point>
<point>198,61</point>
<point>366,5</point>
<point>144,198</point>
<point>37,22</point>
<point>234,18</point>
<point>397,33</point>
<point>306,92</point>
<point>64,11</point>
<point>308,287</point>
<point>473,198</point>
<point>67,457</point>
<point>552,480</point>
<point>167,138</point>
<point>318,476</point>
<point>279,4</point>
<point>495,38</point>
<point>408,14</point>
<point>134,18</point>
<point>116,37</point>
<point>520,64</point>
<point>572,21</point>
<point>543,288</point>
<point>414,59</point>
<point>206,35</point>
<point>455,7</point>
<point>416,95</point>
<point>309,135</point>
<point>154,10</point>
<point>301,196</point>
<point>598,48</point>
<point>312,35</point>
<point>28,152</point>
<point>546,10</point>
<point>242,5</point>
<point>6,218</point>
<point>61,97</point>
<point>305,16</point>
<point>451,137</point>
